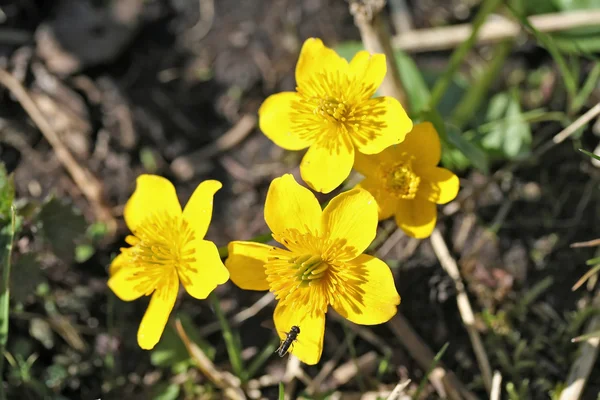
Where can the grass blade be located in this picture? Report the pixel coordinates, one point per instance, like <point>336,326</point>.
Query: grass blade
<point>460,53</point>
<point>233,350</point>
<point>547,42</point>
<point>434,364</point>
<point>475,96</point>
<point>281,391</point>
<point>5,296</point>
<point>587,153</point>
<point>586,90</point>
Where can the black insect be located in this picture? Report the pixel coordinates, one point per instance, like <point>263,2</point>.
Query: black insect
<point>291,337</point>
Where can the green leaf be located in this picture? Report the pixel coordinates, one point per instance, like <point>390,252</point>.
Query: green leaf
<point>84,252</point>
<point>570,5</point>
<point>451,137</point>
<point>165,391</point>
<point>7,193</point>
<point>511,135</point>
<point>348,49</point>
<point>416,89</point>
<point>62,226</point>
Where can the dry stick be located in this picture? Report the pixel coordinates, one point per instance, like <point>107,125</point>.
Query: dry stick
<point>494,30</point>
<point>84,179</point>
<point>240,317</point>
<point>579,122</point>
<point>184,166</point>
<point>401,18</point>
<point>496,386</point>
<point>398,390</point>
<point>375,35</point>
<point>223,380</point>
<point>444,381</point>
<point>588,351</point>
<point>464,306</point>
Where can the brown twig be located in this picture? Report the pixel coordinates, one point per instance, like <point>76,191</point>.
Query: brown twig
<point>464,306</point>
<point>89,185</point>
<point>222,379</point>
<point>589,243</point>
<point>444,381</point>
<point>494,30</point>
<point>184,166</point>
<point>375,35</point>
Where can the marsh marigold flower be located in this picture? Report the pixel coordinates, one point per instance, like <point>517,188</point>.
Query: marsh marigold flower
<point>406,182</point>
<point>322,263</point>
<point>332,112</point>
<point>167,247</point>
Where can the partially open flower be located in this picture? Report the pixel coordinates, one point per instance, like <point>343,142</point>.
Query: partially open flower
<point>406,182</point>
<point>321,265</point>
<point>333,113</point>
<point>167,247</point>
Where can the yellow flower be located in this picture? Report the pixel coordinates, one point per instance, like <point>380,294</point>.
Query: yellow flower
<point>332,113</point>
<point>322,265</point>
<point>406,182</point>
<point>167,247</point>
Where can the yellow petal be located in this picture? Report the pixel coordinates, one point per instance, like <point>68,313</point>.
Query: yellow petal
<point>275,122</point>
<point>120,261</point>
<point>291,206</point>
<point>371,297</point>
<point>386,204</point>
<point>386,125</point>
<point>416,217</point>
<point>159,309</point>
<point>127,285</point>
<point>350,221</point>
<point>309,346</point>
<point>327,163</point>
<point>246,264</point>
<point>198,210</point>
<point>438,185</point>
<point>368,69</point>
<point>153,194</point>
<point>370,165</point>
<point>207,271</point>
<point>423,142</point>
<point>314,59</point>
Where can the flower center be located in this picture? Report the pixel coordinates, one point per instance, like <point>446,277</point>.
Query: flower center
<point>161,242</point>
<point>401,181</point>
<point>309,268</point>
<point>332,109</point>
<point>335,103</point>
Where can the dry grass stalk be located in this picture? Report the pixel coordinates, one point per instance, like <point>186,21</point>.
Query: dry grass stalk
<point>464,306</point>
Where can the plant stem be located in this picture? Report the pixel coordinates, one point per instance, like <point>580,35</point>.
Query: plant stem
<point>460,53</point>
<point>261,358</point>
<point>5,298</point>
<point>233,350</point>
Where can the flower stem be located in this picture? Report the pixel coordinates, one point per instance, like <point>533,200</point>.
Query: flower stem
<point>5,298</point>
<point>233,349</point>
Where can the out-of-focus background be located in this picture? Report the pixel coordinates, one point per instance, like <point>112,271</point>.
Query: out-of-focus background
<point>96,92</point>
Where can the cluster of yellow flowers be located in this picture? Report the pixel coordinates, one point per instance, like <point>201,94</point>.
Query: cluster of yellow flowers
<point>334,115</point>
